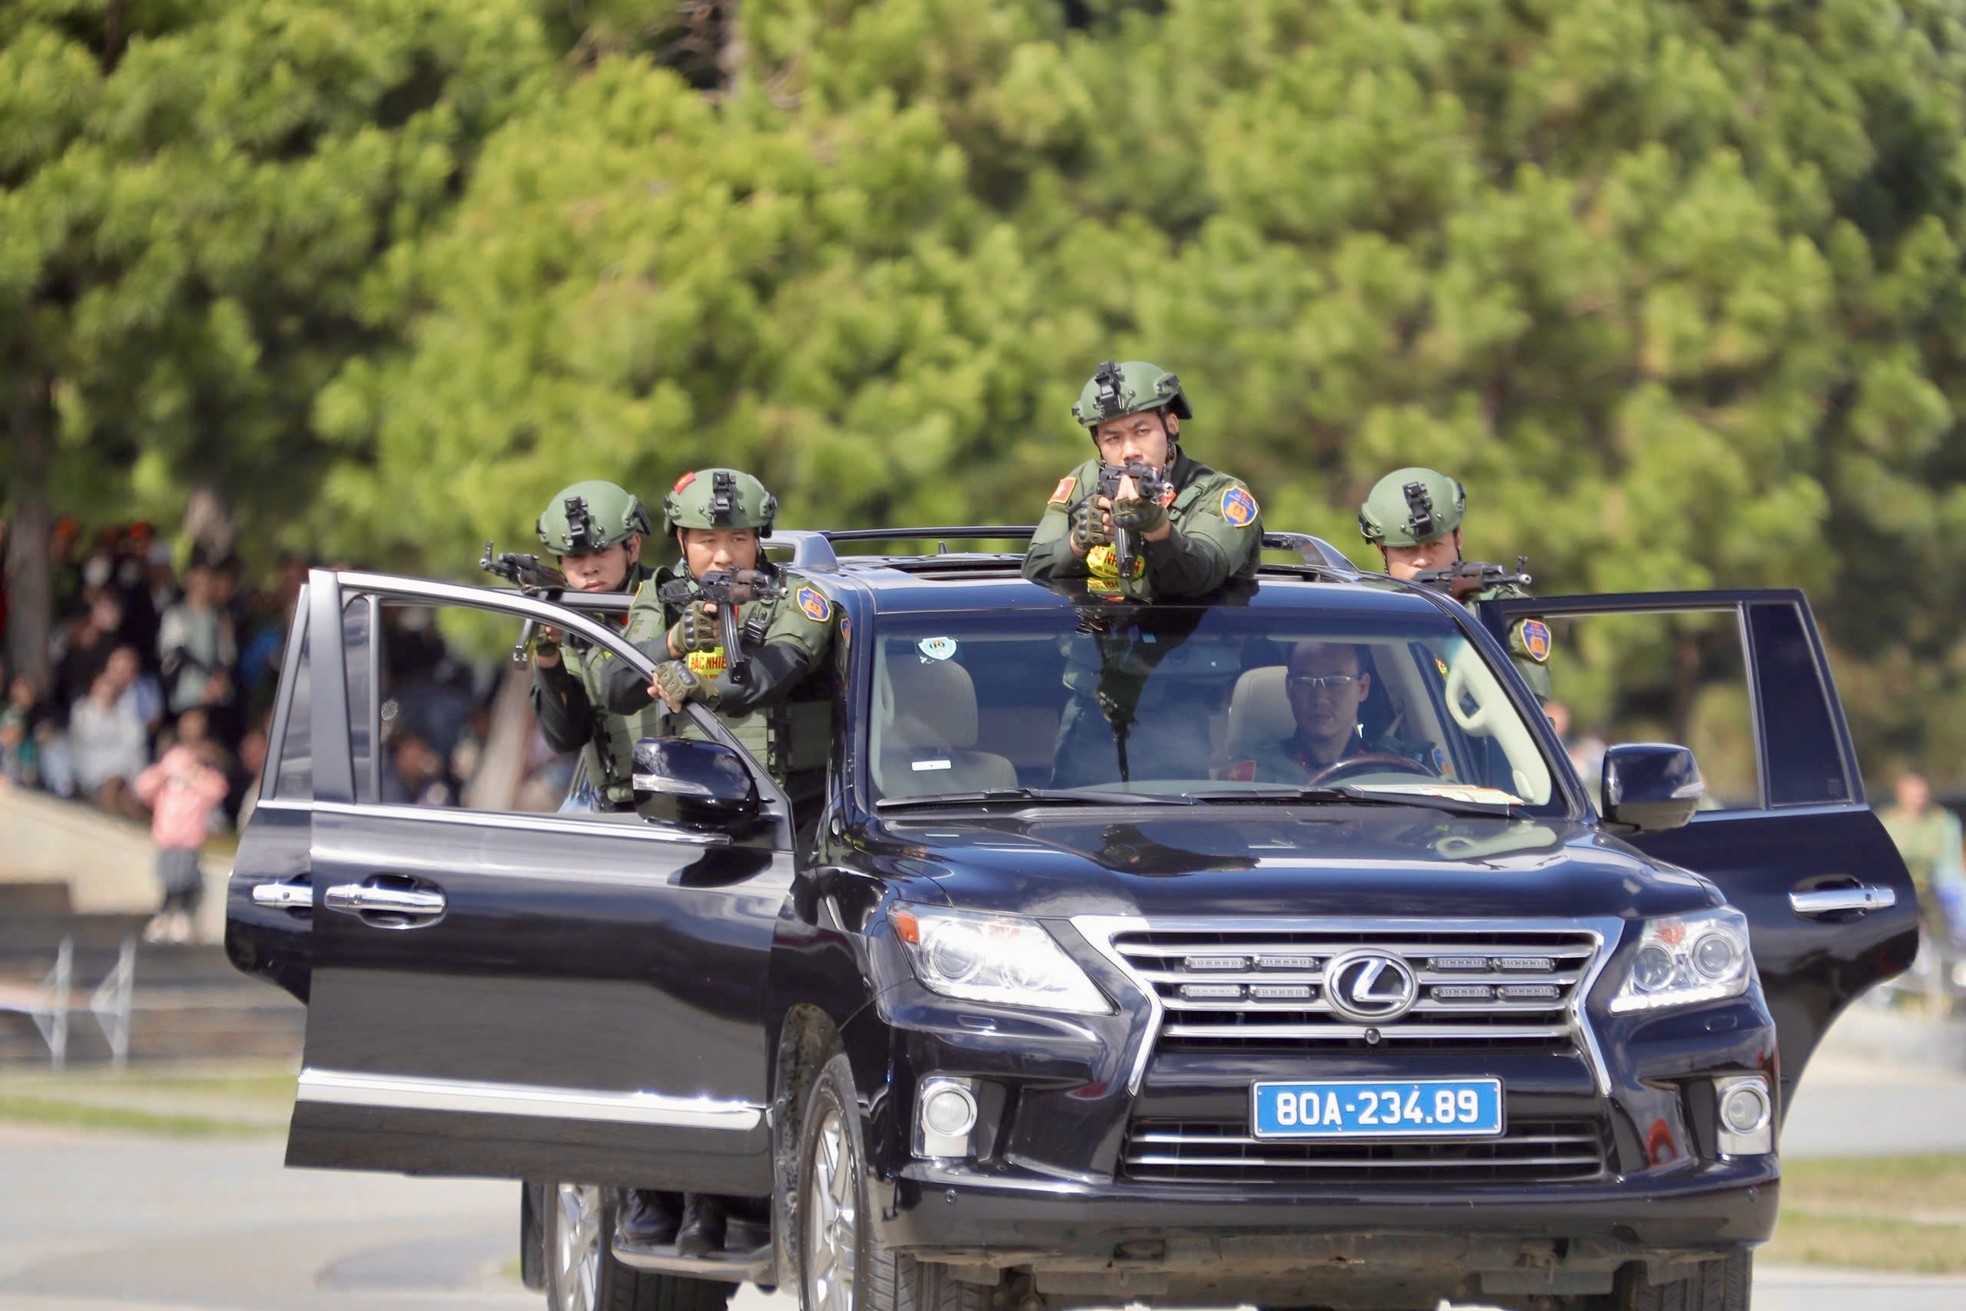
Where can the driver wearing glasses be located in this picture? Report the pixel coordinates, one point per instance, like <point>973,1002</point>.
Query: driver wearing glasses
<point>1327,683</point>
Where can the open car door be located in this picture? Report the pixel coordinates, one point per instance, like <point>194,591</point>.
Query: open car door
<point>1740,677</point>
<point>497,991</point>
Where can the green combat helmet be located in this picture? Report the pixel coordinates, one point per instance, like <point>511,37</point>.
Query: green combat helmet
<point>720,498</point>
<point>589,517</point>
<point>1118,390</point>
<point>1411,506</point>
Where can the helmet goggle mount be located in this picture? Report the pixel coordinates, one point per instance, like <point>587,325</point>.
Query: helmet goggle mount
<point>1420,509</point>
<point>580,527</point>
<point>723,497</point>
<point>1111,394</point>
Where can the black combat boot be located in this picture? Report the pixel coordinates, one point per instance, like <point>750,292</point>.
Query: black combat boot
<point>703,1225</point>
<point>646,1218</point>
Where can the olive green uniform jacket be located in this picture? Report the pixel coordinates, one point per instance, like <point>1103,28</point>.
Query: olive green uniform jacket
<point>1218,535</point>
<point>793,638</point>
<point>569,702</point>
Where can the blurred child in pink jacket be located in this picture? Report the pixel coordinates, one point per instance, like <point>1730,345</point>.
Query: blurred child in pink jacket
<point>181,790</point>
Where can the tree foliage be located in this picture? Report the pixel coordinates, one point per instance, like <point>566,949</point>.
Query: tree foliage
<point>1673,285</point>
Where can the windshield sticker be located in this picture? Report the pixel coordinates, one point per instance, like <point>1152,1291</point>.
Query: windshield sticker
<point>937,648</point>
<point>922,765</point>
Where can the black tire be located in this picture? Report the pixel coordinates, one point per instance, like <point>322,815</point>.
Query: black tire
<point>841,1265</point>
<point>1726,1284</point>
<point>577,1242</point>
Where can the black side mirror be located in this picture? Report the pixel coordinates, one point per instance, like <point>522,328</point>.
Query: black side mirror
<point>693,782</point>
<point>1650,786</point>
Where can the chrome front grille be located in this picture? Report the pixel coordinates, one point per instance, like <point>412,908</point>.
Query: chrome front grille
<point>1267,986</point>
<point>1222,1151</point>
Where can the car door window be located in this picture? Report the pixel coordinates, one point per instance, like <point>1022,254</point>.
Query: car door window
<point>293,726</point>
<point>430,686</point>
<point>1660,676</point>
<point>1805,764</point>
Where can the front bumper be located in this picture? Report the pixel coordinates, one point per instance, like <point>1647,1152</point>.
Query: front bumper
<point>1098,1241</point>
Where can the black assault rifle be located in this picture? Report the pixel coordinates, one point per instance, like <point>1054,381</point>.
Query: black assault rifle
<point>1466,577</point>
<point>726,589</point>
<point>1150,485</point>
<point>531,576</point>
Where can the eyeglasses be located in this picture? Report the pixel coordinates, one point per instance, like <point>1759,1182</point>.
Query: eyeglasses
<point>1317,682</point>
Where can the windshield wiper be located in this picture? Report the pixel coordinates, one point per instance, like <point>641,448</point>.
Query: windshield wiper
<point>1069,796</point>
<point>1350,794</point>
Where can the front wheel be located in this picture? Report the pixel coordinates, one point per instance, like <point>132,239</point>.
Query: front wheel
<point>1724,1284</point>
<point>842,1266</point>
<point>582,1274</point>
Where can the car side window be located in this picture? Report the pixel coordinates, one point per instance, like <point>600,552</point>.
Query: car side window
<point>293,727</point>
<point>1660,676</point>
<point>1805,758</point>
<point>439,716</point>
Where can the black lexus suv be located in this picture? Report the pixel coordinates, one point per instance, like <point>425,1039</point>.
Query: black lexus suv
<point>1056,984</point>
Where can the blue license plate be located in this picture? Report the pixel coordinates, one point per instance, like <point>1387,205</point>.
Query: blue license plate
<point>1378,1108</point>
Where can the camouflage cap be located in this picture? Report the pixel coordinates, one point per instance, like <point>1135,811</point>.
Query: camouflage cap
<point>590,516</point>
<point>1411,506</point>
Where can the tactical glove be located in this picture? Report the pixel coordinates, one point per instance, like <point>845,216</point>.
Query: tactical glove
<point>1089,527</point>
<point>677,686</point>
<point>695,631</point>
<point>1139,514</point>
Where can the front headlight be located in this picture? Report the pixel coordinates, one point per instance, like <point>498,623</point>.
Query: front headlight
<point>1684,959</point>
<point>1000,958</point>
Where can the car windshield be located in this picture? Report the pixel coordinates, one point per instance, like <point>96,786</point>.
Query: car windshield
<point>1197,704</point>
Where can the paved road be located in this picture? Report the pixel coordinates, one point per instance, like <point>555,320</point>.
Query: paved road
<point>113,1222</point>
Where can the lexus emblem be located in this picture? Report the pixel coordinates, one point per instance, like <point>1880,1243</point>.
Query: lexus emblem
<point>1370,987</point>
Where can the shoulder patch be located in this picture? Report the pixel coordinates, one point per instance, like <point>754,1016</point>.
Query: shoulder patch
<point>814,604</point>
<point>1063,491</point>
<point>1238,507</point>
<point>1532,638</point>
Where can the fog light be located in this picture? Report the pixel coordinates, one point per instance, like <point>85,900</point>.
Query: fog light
<point>947,1114</point>
<point>1747,1116</point>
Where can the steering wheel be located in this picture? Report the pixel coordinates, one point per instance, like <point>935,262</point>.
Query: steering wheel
<point>1370,762</point>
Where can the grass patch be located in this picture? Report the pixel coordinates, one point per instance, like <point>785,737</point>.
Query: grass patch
<point>88,1115</point>
<point>1865,1243</point>
<point>1878,1185</point>
<point>1873,1213</point>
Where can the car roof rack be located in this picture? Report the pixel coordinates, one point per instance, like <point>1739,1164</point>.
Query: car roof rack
<point>813,548</point>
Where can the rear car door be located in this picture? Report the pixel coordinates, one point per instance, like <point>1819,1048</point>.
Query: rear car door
<point>1741,678</point>
<point>494,990</point>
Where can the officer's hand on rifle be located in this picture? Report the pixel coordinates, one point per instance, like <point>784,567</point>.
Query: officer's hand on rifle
<point>1136,513</point>
<point>676,685</point>
<point>1091,526</point>
<point>546,647</point>
<point>695,631</point>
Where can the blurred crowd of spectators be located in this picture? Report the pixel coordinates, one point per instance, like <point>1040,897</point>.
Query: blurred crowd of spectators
<point>148,651</point>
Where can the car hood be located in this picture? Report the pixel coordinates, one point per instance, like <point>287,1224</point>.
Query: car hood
<point>1283,861</point>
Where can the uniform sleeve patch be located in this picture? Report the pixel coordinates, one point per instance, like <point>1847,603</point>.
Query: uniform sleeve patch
<point>1238,507</point>
<point>1532,636</point>
<point>815,605</point>
<point>1063,491</point>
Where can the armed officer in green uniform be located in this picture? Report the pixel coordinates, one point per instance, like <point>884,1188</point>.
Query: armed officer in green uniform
<point>1414,517</point>
<point>596,530</point>
<point>720,518</point>
<point>1141,506</point>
